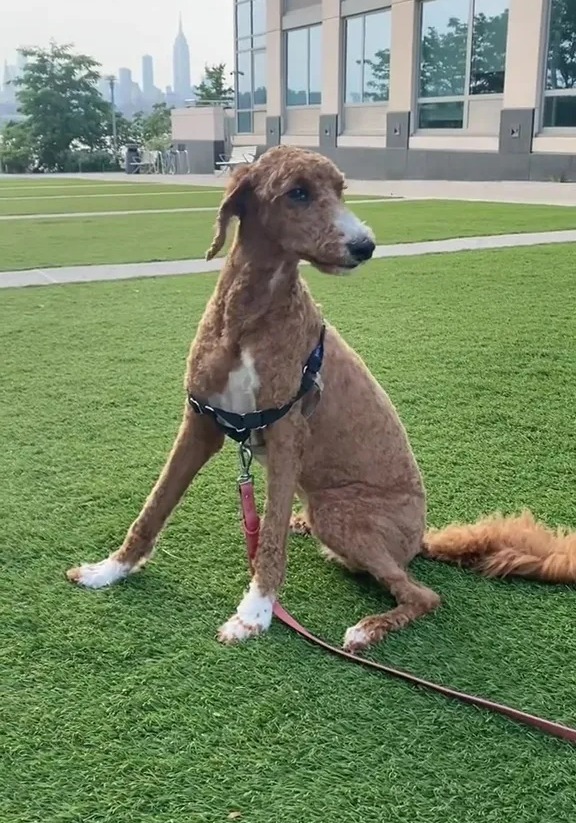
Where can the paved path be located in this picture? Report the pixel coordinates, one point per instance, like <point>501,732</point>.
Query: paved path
<point>125,271</point>
<point>506,191</point>
<point>120,212</point>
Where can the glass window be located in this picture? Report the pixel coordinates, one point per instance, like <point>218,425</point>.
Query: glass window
<point>315,66</point>
<point>443,47</point>
<point>441,115</point>
<point>462,53</point>
<point>244,122</point>
<point>243,19</point>
<point>489,47</point>
<point>304,66</point>
<point>258,16</point>
<point>354,60</point>
<point>560,94</point>
<point>368,58</point>
<point>244,85</point>
<point>250,61</point>
<point>297,67</point>
<point>259,75</point>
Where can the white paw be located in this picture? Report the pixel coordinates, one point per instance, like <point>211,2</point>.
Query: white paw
<point>253,617</point>
<point>356,638</point>
<point>98,575</point>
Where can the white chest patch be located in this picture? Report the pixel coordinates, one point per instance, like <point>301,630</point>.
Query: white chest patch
<point>239,395</point>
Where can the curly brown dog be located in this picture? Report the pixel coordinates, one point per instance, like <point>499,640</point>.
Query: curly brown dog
<point>359,484</point>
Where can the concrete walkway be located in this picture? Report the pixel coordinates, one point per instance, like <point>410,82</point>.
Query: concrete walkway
<point>83,274</point>
<point>505,191</point>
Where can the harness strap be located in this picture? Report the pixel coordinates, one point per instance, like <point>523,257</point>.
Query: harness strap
<point>239,426</point>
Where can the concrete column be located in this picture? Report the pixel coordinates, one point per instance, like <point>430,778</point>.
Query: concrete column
<point>525,52</point>
<point>274,61</point>
<point>403,71</point>
<point>403,54</point>
<point>331,73</point>
<point>274,57</point>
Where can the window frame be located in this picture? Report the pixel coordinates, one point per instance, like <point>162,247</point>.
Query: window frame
<point>363,16</point>
<point>556,131</point>
<point>253,44</point>
<point>466,97</point>
<point>287,33</point>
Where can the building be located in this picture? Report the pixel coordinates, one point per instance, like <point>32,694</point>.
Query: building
<point>445,89</point>
<point>124,91</point>
<point>181,65</point>
<point>148,88</point>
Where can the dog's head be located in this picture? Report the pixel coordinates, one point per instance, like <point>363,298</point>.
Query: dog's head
<point>294,196</point>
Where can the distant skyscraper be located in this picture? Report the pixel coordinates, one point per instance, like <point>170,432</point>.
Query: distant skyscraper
<point>148,76</point>
<point>181,63</point>
<point>124,93</point>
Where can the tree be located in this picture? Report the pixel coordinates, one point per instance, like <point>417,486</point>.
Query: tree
<point>58,95</point>
<point>561,67</point>
<point>213,87</point>
<point>16,152</point>
<point>489,54</point>
<point>443,61</point>
<point>377,77</point>
<point>156,128</point>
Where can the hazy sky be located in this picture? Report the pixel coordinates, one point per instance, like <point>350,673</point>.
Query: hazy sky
<point>118,32</point>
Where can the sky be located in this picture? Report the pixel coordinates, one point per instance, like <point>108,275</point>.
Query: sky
<point>118,32</point>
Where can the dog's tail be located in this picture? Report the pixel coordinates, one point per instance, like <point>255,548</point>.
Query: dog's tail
<point>499,546</point>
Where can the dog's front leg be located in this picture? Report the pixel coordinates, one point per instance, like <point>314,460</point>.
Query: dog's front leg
<point>283,459</point>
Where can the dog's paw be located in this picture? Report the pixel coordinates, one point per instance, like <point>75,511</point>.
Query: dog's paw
<point>356,639</point>
<point>300,526</point>
<point>236,630</point>
<point>98,575</point>
<point>253,617</point>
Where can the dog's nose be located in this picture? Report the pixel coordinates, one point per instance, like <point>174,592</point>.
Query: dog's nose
<point>361,250</point>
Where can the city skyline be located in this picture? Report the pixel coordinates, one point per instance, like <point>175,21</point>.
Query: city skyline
<point>132,95</point>
<point>119,35</point>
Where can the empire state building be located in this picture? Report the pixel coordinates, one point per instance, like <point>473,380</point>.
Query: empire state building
<point>181,65</point>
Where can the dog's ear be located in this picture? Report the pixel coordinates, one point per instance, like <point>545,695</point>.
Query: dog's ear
<point>231,206</point>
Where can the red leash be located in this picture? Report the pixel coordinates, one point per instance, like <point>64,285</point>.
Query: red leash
<point>251,523</point>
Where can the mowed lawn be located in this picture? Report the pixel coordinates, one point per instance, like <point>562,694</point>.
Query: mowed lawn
<point>125,238</point>
<point>119,706</point>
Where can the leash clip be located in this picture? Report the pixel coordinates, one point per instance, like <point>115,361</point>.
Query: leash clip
<point>245,457</point>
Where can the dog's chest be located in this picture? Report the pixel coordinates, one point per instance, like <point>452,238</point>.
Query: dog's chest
<point>240,396</point>
<point>240,393</point>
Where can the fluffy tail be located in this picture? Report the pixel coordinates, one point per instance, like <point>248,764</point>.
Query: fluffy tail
<point>499,546</point>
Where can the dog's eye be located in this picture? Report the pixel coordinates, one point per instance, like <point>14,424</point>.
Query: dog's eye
<point>299,195</point>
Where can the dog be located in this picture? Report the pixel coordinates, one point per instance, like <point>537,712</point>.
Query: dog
<point>329,434</point>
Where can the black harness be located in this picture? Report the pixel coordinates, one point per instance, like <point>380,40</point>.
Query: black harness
<point>240,426</point>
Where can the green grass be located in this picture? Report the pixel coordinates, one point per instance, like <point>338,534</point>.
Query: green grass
<point>137,198</point>
<point>113,201</point>
<point>88,190</point>
<point>119,706</point>
<point>133,238</point>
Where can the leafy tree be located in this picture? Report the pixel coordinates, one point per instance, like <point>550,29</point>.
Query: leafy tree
<point>489,54</point>
<point>443,60</point>
<point>153,130</point>
<point>378,72</point>
<point>58,95</point>
<point>16,152</point>
<point>213,87</point>
<point>561,72</point>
